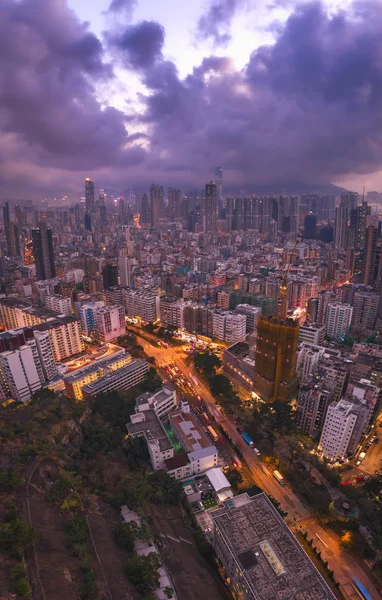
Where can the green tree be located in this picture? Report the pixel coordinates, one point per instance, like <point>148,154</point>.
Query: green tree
<point>220,384</point>
<point>16,536</point>
<point>207,362</point>
<point>142,571</point>
<point>124,535</point>
<point>9,481</point>
<point>164,489</point>
<point>95,438</point>
<point>235,478</point>
<point>22,587</point>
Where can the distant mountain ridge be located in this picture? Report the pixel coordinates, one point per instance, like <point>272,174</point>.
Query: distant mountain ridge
<point>289,188</point>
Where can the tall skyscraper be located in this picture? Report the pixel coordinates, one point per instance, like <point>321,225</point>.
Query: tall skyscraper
<point>276,353</point>
<point>310,227</point>
<point>88,222</point>
<point>219,187</point>
<point>341,227</point>
<point>6,217</point>
<point>11,233</point>
<point>210,208</point>
<point>174,204</point>
<point>338,319</point>
<point>369,261</point>
<point>110,276</point>
<point>350,200</point>
<point>156,203</point>
<point>145,210</point>
<point>89,195</point>
<point>122,211</point>
<point>42,241</point>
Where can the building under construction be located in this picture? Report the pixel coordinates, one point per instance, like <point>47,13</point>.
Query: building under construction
<point>275,359</point>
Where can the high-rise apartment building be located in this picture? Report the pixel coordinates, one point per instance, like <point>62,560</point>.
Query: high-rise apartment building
<point>46,355</point>
<point>11,233</point>
<point>275,359</point>
<point>313,399</point>
<point>145,210</point>
<point>219,187</point>
<point>338,320</point>
<point>89,195</point>
<point>124,269</point>
<point>109,276</point>
<point>110,323</point>
<point>139,303</point>
<point>365,309</point>
<point>20,373</point>
<point>60,304</point>
<point>252,315</point>
<point>42,241</point>
<point>341,227</point>
<point>210,211</point>
<point>338,428</point>
<point>88,317</point>
<point>156,204</point>
<point>174,204</point>
<point>310,227</point>
<point>369,266</point>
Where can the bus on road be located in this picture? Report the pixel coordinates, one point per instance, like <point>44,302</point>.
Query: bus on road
<point>213,433</point>
<point>247,438</point>
<point>279,478</point>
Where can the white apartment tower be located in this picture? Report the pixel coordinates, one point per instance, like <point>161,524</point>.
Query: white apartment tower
<point>110,323</point>
<point>60,304</point>
<point>338,319</point>
<point>338,428</point>
<point>45,352</point>
<point>20,373</point>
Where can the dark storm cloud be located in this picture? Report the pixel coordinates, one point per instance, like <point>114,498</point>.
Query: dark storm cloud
<point>49,64</point>
<point>308,107</point>
<point>216,21</point>
<point>140,45</point>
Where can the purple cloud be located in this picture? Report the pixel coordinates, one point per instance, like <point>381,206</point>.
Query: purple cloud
<point>139,45</point>
<point>307,108</point>
<point>215,23</point>
<point>49,65</point>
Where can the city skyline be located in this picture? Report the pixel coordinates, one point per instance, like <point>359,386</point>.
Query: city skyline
<point>273,94</point>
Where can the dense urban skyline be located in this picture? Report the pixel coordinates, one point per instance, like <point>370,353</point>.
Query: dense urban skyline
<point>274,94</point>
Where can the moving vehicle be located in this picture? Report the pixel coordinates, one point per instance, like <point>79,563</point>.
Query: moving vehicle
<point>213,433</point>
<point>362,591</point>
<point>279,478</point>
<point>256,451</point>
<point>247,438</point>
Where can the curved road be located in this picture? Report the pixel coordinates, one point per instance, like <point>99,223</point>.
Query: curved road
<point>343,565</point>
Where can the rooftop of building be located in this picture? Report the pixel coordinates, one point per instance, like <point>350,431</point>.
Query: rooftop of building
<point>153,430</point>
<point>102,362</point>
<point>95,387</point>
<point>272,560</point>
<point>160,396</point>
<point>177,462</point>
<point>240,349</point>
<point>278,321</point>
<point>189,431</point>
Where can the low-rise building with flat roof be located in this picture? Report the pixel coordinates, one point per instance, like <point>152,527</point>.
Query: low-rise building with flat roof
<point>149,426</point>
<point>120,379</point>
<point>162,402</point>
<point>261,556</point>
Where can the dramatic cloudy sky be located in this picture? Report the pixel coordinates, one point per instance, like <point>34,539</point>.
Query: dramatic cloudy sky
<point>134,91</point>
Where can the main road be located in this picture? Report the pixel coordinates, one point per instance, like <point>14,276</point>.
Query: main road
<point>300,516</point>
